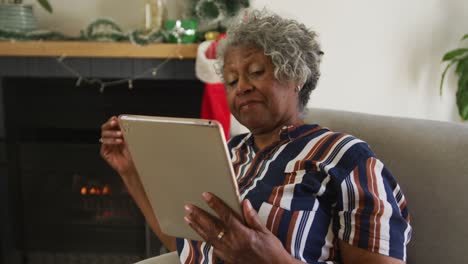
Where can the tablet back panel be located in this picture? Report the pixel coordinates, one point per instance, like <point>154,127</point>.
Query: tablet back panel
<point>178,159</point>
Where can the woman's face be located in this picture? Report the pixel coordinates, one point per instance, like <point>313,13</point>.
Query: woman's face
<point>255,97</point>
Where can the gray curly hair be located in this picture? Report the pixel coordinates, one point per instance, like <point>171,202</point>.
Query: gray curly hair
<point>292,47</point>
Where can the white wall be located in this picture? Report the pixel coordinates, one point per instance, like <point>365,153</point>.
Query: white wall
<point>381,57</point>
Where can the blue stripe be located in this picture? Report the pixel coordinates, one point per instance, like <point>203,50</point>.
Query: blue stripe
<point>399,196</point>
<point>347,215</point>
<point>335,152</point>
<point>206,249</point>
<point>244,165</point>
<point>300,231</point>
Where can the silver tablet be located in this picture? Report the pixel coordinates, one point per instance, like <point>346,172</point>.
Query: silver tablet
<point>178,159</point>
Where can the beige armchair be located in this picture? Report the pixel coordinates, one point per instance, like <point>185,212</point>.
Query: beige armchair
<point>430,161</point>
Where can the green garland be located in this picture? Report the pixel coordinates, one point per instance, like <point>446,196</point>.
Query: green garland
<point>105,29</point>
<point>101,29</point>
<point>215,14</point>
<point>31,35</point>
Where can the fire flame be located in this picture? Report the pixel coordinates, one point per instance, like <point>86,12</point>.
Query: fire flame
<point>105,190</point>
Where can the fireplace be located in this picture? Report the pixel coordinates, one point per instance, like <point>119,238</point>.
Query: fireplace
<point>65,204</point>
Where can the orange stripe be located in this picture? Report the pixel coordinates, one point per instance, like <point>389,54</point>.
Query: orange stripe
<point>238,164</point>
<point>325,153</point>
<point>376,212</point>
<point>314,150</point>
<point>318,146</point>
<point>271,215</point>
<point>271,152</point>
<point>380,208</point>
<point>274,193</point>
<point>359,208</point>
<point>277,221</point>
<point>370,246</point>
<point>256,168</point>
<point>292,224</point>
<point>403,205</point>
<point>200,250</point>
<point>191,253</point>
<point>277,193</point>
<point>292,177</point>
<point>277,201</point>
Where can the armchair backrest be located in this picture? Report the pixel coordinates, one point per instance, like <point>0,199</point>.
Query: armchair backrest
<point>430,161</point>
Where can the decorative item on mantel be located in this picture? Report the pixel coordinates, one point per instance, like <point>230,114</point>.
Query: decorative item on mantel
<point>155,12</point>
<point>215,15</point>
<point>181,31</point>
<point>15,16</point>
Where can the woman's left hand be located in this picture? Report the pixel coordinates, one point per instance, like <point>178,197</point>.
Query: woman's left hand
<point>233,241</point>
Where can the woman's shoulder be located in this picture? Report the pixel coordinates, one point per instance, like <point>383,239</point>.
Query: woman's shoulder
<point>337,144</point>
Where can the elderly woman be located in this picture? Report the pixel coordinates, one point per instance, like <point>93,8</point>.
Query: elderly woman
<point>309,194</point>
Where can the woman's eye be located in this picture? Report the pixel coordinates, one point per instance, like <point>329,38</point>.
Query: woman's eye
<point>232,83</point>
<point>257,73</point>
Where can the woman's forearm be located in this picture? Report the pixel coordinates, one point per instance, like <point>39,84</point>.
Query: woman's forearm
<point>136,190</point>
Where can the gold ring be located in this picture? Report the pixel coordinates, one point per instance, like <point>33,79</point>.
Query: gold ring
<point>100,140</point>
<point>220,234</point>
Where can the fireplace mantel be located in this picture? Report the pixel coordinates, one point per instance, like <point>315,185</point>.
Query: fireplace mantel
<point>77,49</point>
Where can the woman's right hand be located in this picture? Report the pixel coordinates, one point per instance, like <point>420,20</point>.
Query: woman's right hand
<point>114,150</point>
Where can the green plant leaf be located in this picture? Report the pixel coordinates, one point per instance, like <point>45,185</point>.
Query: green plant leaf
<point>462,66</point>
<point>462,102</point>
<point>46,5</point>
<point>454,54</point>
<point>444,73</point>
<point>465,37</point>
<point>462,94</point>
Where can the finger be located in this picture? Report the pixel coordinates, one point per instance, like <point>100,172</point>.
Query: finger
<point>225,213</point>
<point>111,134</point>
<point>251,217</point>
<point>197,227</point>
<point>111,141</point>
<point>204,222</point>
<point>111,123</point>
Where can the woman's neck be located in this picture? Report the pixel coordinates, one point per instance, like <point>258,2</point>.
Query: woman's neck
<point>265,139</point>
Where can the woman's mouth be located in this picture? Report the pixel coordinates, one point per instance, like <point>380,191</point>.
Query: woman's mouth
<point>247,105</point>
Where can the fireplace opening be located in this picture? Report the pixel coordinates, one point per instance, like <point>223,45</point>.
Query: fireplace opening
<point>66,203</point>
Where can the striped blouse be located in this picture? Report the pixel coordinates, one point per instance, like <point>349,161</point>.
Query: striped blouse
<point>313,187</point>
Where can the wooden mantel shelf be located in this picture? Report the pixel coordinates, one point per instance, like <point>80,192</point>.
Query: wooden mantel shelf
<point>78,49</point>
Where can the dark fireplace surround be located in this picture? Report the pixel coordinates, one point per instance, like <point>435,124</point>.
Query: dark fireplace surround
<point>63,203</point>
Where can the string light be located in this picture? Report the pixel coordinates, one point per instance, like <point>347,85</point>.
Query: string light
<point>103,84</point>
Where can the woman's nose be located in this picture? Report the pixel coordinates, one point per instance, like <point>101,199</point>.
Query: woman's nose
<point>243,86</point>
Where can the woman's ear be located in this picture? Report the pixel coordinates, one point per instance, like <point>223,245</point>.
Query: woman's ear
<point>298,87</point>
